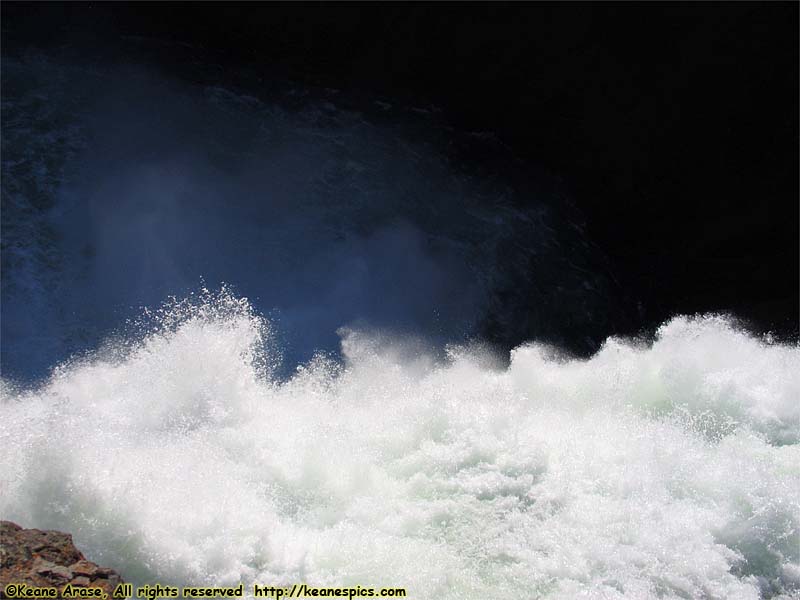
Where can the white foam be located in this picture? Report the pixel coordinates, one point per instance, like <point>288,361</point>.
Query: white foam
<point>665,471</point>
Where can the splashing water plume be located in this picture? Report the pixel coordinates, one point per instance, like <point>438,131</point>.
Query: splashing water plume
<point>660,471</point>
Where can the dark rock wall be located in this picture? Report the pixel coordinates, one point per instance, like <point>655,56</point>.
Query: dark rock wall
<point>673,125</point>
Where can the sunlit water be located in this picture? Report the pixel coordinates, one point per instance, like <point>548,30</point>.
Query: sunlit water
<point>666,470</point>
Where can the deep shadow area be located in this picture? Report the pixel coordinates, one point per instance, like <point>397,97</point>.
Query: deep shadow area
<point>674,127</point>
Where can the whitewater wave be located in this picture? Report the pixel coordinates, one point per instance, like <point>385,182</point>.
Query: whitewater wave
<point>661,470</point>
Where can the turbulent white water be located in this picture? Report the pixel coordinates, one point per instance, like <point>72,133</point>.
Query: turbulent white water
<point>670,470</point>
<point>180,451</point>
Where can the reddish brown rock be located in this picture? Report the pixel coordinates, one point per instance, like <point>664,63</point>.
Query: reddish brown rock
<point>84,567</point>
<point>48,559</point>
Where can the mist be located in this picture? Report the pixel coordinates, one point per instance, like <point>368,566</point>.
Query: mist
<point>324,217</point>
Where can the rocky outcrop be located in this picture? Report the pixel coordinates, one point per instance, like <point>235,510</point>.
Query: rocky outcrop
<point>48,559</point>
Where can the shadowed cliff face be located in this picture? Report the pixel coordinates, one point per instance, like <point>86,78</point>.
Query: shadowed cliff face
<point>673,131</point>
<point>123,187</point>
